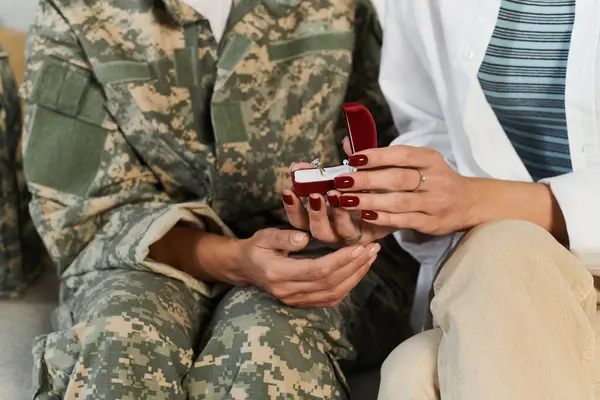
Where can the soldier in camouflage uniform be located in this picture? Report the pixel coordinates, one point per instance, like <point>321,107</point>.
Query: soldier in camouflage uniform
<point>148,148</point>
<point>20,248</point>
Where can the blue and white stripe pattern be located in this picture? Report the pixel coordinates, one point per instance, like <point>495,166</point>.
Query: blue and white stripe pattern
<point>523,76</point>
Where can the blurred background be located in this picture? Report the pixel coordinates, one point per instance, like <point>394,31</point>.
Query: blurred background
<point>21,12</point>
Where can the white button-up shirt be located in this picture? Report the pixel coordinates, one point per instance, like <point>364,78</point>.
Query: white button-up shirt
<point>432,53</point>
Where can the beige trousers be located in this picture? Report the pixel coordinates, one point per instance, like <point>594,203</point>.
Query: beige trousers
<point>515,319</point>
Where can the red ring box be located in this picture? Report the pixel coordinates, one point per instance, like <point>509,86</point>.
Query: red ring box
<point>362,132</point>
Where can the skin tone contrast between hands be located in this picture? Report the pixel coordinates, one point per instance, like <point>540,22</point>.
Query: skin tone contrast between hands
<point>381,193</point>
<point>376,200</point>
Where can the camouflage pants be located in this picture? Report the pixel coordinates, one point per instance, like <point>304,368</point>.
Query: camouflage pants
<point>137,335</point>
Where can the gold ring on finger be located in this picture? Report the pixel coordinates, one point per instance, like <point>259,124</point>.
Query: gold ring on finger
<point>422,180</point>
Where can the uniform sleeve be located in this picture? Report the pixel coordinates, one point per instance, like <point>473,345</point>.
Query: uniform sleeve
<point>95,204</point>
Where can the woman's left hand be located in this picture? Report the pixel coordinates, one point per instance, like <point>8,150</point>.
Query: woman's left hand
<point>409,187</point>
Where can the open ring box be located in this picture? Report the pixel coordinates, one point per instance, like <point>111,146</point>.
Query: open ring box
<point>362,132</point>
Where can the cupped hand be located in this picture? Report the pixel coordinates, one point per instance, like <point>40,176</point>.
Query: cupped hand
<point>326,221</point>
<point>305,283</point>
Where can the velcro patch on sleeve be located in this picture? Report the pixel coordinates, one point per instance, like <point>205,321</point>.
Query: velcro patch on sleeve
<point>66,134</point>
<point>63,152</point>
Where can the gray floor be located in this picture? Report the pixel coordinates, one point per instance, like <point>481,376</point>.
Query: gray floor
<point>20,321</point>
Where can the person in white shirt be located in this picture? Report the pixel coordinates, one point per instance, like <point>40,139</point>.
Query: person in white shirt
<point>497,108</point>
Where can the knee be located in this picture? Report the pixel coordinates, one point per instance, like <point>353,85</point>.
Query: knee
<point>251,319</point>
<point>139,306</point>
<point>505,260</point>
<point>410,371</point>
<point>253,334</point>
<point>510,231</point>
<point>512,250</point>
<point>498,238</point>
<point>252,315</point>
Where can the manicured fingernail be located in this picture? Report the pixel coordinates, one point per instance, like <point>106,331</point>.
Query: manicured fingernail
<point>343,182</point>
<point>349,201</point>
<point>288,199</point>
<point>333,200</point>
<point>369,215</point>
<point>298,237</point>
<point>358,160</point>
<point>315,203</point>
<point>375,250</point>
<point>357,252</point>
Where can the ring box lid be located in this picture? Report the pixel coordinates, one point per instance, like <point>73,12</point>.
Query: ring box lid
<point>361,127</point>
<point>362,133</point>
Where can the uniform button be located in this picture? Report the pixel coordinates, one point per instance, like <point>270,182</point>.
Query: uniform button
<point>469,55</point>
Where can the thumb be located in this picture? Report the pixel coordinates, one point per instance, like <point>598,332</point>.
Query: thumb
<point>286,240</point>
<point>347,146</point>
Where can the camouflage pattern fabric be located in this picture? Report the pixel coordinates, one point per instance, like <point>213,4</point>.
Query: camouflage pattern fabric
<point>20,248</point>
<point>136,120</point>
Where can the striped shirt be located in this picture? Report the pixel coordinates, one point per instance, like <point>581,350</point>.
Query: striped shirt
<point>523,76</point>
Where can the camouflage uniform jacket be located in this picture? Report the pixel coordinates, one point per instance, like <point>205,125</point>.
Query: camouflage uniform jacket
<point>136,119</point>
<point>20,248</point>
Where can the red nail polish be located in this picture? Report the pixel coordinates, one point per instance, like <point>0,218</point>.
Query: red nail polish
<point>343,182</point>
<point>288,199</point>
<point>369,215</point>
<point>349,201</point>
<point>315,203</point>
<point>333,200</point>
<point>358,160</point>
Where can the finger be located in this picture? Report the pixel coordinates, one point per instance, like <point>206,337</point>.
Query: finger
<point>396,156</point>
<point>331,297</point>
<point>297,214</point>
<point>313,271</point>
<point>278,239</point>
<point>337,277</point>
<point>387,179</point>
<point>411,220</point>
<point>395,202</point>
<point>347,228</point>
<point>288,277</point>
<point>295,166</point>
<point>320,227</point>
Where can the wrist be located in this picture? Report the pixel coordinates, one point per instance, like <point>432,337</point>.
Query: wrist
<point>494,200</point>
<point>218,259</point>
<point>205,256</point>
<point>477,212</point>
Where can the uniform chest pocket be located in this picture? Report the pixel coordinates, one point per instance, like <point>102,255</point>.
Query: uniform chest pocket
<point>312,72</point>
<point>158,120</point>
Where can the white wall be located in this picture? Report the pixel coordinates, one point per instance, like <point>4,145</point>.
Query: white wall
<point>18,13</point>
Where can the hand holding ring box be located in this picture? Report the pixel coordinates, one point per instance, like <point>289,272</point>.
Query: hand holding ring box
<point>362,132</point>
